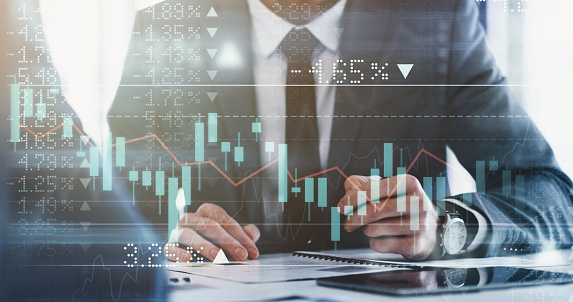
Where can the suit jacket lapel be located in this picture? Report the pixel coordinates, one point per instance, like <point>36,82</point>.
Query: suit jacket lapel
<point>357,21</point>
<point>233,64</point>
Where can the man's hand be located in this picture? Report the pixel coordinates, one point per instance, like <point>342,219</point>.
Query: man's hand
<point>211,228</point>
<point>389,229</point>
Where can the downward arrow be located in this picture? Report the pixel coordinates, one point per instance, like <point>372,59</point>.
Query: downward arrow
<point>212,31</point>
<point>212,95</point>
<point>85,225</point>
<point>405,69</point>
<point>212,74</point>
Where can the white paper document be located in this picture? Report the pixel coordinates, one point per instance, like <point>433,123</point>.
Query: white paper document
<point>312,265</point>
<point>277,269</point>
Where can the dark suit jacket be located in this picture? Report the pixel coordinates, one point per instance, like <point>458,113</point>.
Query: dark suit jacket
<point>455,96</point>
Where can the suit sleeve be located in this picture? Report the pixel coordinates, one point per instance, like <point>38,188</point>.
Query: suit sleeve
<point>522,193</point>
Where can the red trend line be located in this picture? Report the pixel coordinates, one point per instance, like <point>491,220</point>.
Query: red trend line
<point>42,135</point>
<point>54,129</point>
<point>236,184</point>
<point>82,134</point>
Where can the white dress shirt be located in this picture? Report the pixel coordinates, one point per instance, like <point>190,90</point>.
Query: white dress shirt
<point>270,69</point>
<point>270,74</point>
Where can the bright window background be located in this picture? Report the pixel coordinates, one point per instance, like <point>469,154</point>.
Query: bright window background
<point>535,50</point>
<point>88,41</point>
<point>533,45</point>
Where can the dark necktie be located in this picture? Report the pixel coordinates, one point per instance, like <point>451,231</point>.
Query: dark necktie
<point>301,127</point>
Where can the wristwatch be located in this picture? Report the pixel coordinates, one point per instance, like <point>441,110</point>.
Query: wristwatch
<point>453,235</point>
<point>454,277</point>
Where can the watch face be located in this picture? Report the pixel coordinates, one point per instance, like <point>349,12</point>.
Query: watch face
<point>456,277</point>
<point>455,236</point>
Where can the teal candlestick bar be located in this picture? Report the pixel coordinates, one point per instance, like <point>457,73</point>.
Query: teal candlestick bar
<point>199,142</point>
<point>133,175</point>
<point>186,183</point>
<point>68,124</point>
<point>361,206</point>
<point>212,128</point>
<point>283,170</point>
<point>94,161</point>
<point>159,183</point>
<point>120,151</point>
<point>146,178</point>
<point>28,102</point>
<point>309,189</point>
<point>441,195</point>
<point>334,224</point>
<point>375,185</point>
<point>388,159</point>
<point>15,113</point>
<point>401,190</point>
<point>107,164</point>
<point>172,214</point>
<point>322,191</point>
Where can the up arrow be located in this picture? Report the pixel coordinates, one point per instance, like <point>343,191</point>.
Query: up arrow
<point>85,207</point>
<point>212,13</point>
<point>405,69</point>
<point>85,164</point>
<point>221,258</point>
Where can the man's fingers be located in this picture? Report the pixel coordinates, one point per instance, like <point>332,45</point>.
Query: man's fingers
<point>239,234</point>
<point>354,182</point>
<point>232,227</point>
<point>215,233</point>
<point>390,210</point>
<point>192,239</point>
<point>253,232</point>
<point>388,187</point>
<point>411,247</point>
<point>389,227</point>
<point>355,221</point>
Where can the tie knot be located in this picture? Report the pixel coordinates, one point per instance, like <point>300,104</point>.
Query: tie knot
<point>298,45</point>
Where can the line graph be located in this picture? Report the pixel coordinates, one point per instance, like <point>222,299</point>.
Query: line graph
<point>236,184</point>
<point>246,178</point>
<point>116,291</point>
<point>91,279</point>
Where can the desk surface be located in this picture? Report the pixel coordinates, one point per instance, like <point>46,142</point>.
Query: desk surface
<point>209,289</point>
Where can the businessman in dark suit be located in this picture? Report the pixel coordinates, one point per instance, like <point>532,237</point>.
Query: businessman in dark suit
<point>322,76</point>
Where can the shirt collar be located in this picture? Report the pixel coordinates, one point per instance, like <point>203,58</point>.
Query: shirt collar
<point>271,29</point>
